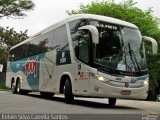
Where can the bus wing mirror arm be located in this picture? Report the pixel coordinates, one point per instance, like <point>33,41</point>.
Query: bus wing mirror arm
<point>94,32</point>
<point>154,43</point>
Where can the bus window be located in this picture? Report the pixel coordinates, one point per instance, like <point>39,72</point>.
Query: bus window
<point>80,40</point>
<point>82,49</point>
<point>19,52</point>
<point>60,38</point>
<point>36,46</point>
<point>48,38</point>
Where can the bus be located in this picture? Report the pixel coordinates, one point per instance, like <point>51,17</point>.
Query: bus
<point>84,55</point>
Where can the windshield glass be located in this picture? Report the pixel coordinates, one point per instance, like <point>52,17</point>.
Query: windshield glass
<point>120,48</point>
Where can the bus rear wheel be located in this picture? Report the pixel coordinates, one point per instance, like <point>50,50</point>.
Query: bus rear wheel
<point>112,101</point>
<point>13,87</point>
<point>16,87</point>
<point>69,97</point>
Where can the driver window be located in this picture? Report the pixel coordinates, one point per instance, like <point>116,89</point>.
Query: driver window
<point>80,40</point>
<point>83,46</point>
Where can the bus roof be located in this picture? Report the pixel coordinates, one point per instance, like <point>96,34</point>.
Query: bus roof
<point>102,18</point>
<point>76,17</point>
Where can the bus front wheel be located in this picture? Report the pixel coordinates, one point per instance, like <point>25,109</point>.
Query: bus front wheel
<point>112,101</point>
<point>68,92</point>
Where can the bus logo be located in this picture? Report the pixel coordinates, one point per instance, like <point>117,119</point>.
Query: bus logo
<point>31,67</point>
<point>63,59</point>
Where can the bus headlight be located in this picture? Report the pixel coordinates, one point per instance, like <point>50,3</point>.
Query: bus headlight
<point>100,78</point>
<point>145,82</point>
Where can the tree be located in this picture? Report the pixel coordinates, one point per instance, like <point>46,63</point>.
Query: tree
<point>15,8</point>
<point>3,57</point>
<point>127,11</point>
<point>8,36</point>
<point>147,23</point>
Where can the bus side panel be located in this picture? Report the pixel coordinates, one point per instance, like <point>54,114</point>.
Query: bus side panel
<point>9,75</point>
<point>48,72</point>
<point>16,70</point>
<point>27,70</point>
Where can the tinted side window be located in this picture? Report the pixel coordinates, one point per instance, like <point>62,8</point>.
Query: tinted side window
<point>74,25</point>
<point>24,52</point>
<point>15,54</point>
<point>56,39</point>
<point>82,49</point>
<point>80,40</point>
<point>37,46</point>
<point>19,52</point>
<point>48,38</point>
<point>60,38</point>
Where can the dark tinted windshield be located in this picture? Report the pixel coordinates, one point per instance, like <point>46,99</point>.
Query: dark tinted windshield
<point>119,48</point>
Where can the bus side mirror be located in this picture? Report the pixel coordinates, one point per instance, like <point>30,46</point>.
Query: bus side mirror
<point>154,43</point>
<point>94,32</point>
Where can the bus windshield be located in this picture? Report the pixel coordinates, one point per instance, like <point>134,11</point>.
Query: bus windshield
<point>120,48</point>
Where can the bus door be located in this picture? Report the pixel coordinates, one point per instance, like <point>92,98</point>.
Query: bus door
<point>82,79</point>
<point>82,50</point>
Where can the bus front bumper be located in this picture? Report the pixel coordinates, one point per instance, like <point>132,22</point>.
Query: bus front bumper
<point>100,89</point>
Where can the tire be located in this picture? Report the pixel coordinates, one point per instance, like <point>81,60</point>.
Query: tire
<point>112,101</point>
<point>18,87</point>
<point>69,97</point>
<point>47,94</point>
<point>13,88</point>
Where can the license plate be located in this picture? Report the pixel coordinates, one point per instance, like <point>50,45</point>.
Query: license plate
<point>125,92</point>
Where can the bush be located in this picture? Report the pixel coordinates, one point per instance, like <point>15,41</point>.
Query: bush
<point>2,85</point>
<point>153,62</point>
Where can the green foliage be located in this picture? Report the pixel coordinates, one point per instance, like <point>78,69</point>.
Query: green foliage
<point>2,86</point>
<point>154,71</point>
<point>15,8</point>
<point>8,36</point>
<point>3,57</point>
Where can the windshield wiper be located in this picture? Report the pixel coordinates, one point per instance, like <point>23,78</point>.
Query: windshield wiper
<point>131,52</point>
<point>128,68</point>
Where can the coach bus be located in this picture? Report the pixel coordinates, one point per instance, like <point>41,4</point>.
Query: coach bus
<point>84,55</point>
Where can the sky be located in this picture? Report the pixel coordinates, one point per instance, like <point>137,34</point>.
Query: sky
<point>48,12</point>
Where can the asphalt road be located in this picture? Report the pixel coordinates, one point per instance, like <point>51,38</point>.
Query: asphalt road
<point>83,108</point>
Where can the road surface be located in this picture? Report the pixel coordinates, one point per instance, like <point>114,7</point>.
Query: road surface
<point>83,108</point>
